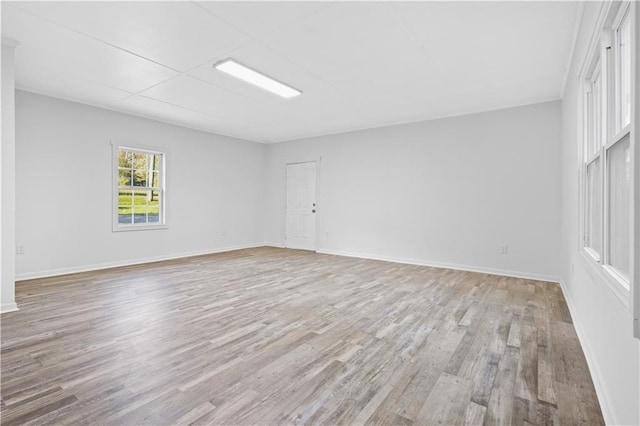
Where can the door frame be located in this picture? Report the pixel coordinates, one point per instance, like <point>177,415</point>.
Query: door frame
<point>318,162</point>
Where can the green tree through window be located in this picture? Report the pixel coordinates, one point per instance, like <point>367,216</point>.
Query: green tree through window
<point>140,192</point>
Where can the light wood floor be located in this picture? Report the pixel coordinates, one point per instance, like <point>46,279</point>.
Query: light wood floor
<point>273,336</point>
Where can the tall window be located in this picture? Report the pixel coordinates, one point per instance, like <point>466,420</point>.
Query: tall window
<point>607,166</point>
<point>593,164</point>
<point>139,194</point>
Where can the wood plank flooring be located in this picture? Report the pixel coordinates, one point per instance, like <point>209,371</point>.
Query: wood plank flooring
<point>274,336</point>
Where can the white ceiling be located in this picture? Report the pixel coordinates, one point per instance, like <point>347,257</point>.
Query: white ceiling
<point>359,65</point>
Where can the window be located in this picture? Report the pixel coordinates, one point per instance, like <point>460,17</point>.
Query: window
<point>607,166</point>
<point>592,153</point>
<point>619,207</point>
<point>139,192</point>
<point>623,71</point>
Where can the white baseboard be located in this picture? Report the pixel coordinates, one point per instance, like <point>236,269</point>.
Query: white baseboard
<point>596,375</point>
<point>8,307</point>
<point>277,245</point>
<point>435,264</point>
<point>128,262</point>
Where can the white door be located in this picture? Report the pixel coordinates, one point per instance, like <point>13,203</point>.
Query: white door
<point>300,226</point>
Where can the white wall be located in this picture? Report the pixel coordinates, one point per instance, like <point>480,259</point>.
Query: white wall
<point>603,323</point>
<point>215,188</point>
<point>7,179</point>
<point>443,192</point>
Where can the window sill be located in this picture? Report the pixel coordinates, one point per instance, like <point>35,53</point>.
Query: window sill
<point>127,228</point>
<point>607,275</point>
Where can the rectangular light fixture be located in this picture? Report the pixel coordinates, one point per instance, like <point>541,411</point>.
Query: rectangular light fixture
<point>237,70</point>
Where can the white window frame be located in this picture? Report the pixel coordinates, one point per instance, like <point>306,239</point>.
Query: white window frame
<point>119,227</point>
<point>604,52</point>
<point>634,13</point>
<point>590,132</point>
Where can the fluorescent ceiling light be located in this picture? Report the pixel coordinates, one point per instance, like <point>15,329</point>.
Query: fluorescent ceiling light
<point>237,70</point>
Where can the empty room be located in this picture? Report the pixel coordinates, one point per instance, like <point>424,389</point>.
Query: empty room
<point>332,213</point>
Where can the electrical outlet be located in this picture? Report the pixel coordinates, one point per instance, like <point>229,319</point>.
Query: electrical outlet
<point>19,249</point>
<point>504,249</point>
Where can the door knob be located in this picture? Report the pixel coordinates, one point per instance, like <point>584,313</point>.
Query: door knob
<point>313,211</point>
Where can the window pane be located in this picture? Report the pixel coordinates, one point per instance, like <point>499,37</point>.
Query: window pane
<point>156,162</point>
<point>125,208</point>
<point>124,159</point>
<point>624,37</point>
<point>140,206</point>
<point>139,160</point>
<point>598,128</point>
<point>595,137</point>
<point>140,177</point>
<point>140,218</point>
<point>619,178</point>
<point>141,203</point>
<point>124,177</point>
<point>593,212</point>
<point>588,137</point>
<point>141,198</point>
<point>154,207</point>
